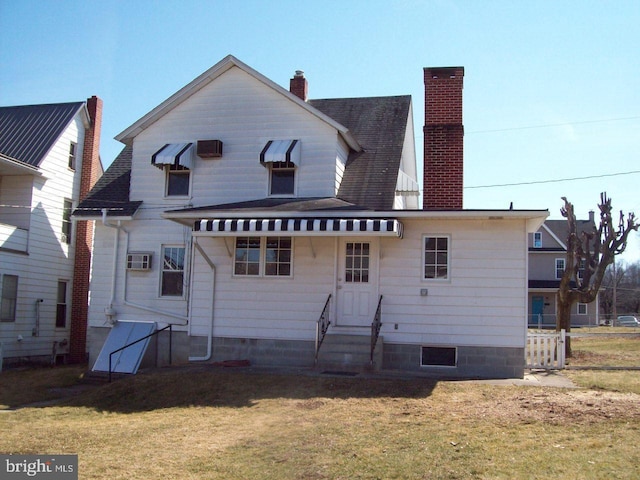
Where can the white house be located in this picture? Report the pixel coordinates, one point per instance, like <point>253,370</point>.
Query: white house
<point>253,220</point>
<point>49,157</point>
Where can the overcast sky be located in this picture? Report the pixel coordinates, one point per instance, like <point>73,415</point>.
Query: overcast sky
<point>551,88</point>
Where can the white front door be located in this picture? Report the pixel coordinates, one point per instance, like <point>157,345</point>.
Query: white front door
<point>357,282</point>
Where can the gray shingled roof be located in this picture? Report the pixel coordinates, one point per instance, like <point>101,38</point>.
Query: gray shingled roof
<point>28,132</point>
<point>311,204</point>
<point>379,124</point>
<point>111,190</point>
<point>560,228</point>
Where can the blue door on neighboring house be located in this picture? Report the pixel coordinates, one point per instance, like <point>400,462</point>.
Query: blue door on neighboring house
<point>537,311</point>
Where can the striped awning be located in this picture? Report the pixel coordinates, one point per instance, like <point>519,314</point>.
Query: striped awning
<point>174,154</point>
<point>281,151</point>
<point>220,227</point>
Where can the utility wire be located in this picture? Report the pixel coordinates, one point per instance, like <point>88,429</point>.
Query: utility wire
<point>557,180</point>
<point>550,125</point>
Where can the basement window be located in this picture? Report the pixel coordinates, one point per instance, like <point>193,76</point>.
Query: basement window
<point>439,357</point>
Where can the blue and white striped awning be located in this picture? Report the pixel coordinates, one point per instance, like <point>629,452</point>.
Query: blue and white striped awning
<point>233,227</point>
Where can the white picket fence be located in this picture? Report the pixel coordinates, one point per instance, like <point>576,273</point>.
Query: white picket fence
<point>545,350</point>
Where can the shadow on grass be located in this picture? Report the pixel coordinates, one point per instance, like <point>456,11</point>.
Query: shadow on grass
<point>216,387</point>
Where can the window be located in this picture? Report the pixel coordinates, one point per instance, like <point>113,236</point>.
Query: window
<point>439,357</point>
<point>282,178</point>
<point>582,308</point>
<point>66,221</point>
<point>537,240</point>
<point>9,298</point>
<point>247,256</point>
<point>278,257</point>
<point>583,265</point>
<point>178,179</point>
<point>436,258</point>
<point>172,272</point>
<point>357,262</point>
<point>268,256</point>
<point>559,268</point>
<point>61,306</point>
<point>72,155</point>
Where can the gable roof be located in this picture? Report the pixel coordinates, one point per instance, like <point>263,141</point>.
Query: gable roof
<point>28,132</point>
<point>559,229</point>
<point>379,124</point>
<point>209,76</point>
<point>111,191</point>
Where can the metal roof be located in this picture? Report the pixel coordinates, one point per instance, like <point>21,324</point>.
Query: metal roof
<point>27,132</point>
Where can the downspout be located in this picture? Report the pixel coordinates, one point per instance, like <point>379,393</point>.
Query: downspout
<point>109,311</point>
<point>213,295</point>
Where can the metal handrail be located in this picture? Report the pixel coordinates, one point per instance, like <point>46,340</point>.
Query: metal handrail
<point>375,327</point>
<point>141,339</point>
<point>322,325</point>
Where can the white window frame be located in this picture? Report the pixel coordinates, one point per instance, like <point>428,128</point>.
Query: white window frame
<point>423,265</point>
<point>537,240</point>
<point>557,269</point>
<point>169,270</point>
<point>9,299</point>
<point>170,170</point>
<point>262,260</point>
<point>73,155</point>
<point>67,224</point>
<point>583,307</point>
<point>291,167</point>
<point>62,302</point>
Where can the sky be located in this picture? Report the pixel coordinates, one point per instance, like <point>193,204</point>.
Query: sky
<point>551,88</point>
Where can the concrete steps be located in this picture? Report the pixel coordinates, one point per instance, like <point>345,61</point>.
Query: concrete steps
<point>340,352</point>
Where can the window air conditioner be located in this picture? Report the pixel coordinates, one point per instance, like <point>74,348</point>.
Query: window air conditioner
<point>209,148</point>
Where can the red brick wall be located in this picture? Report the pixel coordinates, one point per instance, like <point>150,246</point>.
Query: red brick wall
<point>443,138</point>
<point>298,85</point>
<point>89,174</point>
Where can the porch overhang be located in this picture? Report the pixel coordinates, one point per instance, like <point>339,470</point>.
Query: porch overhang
<point>302,227</point>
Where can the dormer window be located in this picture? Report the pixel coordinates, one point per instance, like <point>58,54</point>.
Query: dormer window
<point>282,178</point>
<point>177,161</point>
<point>281,157</point>
<point>178,179</point>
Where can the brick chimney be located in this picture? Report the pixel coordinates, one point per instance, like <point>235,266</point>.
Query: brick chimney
<point>443,138</point>
<point>298,85</point>
<point>89,173</point>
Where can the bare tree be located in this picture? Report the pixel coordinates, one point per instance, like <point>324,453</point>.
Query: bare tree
<point>588,256</point>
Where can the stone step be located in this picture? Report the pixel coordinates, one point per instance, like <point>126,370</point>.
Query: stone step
<point>349,352</point>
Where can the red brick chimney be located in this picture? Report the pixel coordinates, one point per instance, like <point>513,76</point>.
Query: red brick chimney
<point>89,174</point>
<point>443,138</point>
<point>298,85</point>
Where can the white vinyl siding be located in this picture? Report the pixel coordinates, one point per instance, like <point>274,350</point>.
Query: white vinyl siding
<point>484,303</point>
<point>41,213</point>
<point>244,114</point>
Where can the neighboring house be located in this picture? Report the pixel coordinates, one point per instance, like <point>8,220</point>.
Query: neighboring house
<point>245,215</point>
<point>547,258</point>
<point>49,158</point>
